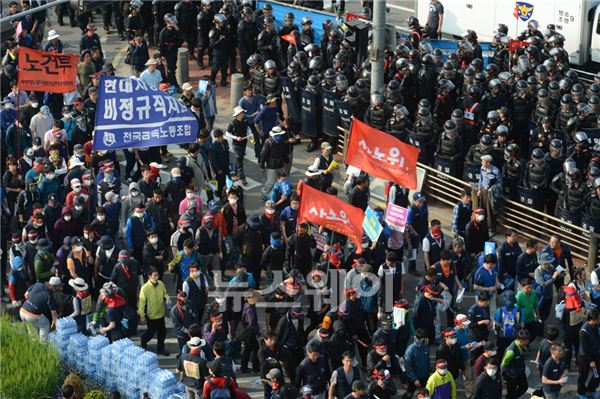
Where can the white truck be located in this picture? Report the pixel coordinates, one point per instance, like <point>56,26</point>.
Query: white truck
<point>577,20</point>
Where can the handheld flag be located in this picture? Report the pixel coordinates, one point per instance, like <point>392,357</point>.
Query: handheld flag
<point>382,155</point>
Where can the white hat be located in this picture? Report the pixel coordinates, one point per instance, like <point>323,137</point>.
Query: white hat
<point>487,158</point>
<point>158,165</point>
<point>326,146</point>
<point>110,195</point>
<point>276,131</point>
<point>187,86</point>
<point>176,172</point>
<point>75,182</point>
<point>52,34</point>
<point>151,61</point>
<point>237,110</point>
<point>55,281</point>
<point>74,161</point>
<point>462,319</point>
<point>196,342</point>
<point>313,171</point>
<point>78,284</point>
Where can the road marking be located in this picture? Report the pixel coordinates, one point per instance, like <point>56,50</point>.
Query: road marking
<point>395,7</point>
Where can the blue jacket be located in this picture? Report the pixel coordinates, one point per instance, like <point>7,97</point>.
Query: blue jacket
<point>136,230</point>
<point>565,259</point>
<point>7,118</point>
<point>416,361</point>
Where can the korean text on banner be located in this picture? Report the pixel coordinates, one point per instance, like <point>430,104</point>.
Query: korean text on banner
<point>514,45</point>
<point>133,114</point>
<point>382,155</point>
<point>371,225</point>
<point>395,216</point>
<point>47,72</point>
<point>331,213</point>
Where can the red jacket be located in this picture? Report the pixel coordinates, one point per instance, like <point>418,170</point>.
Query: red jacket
<point>218,382</point>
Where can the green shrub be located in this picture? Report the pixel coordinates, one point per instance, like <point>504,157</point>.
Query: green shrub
<point>95,395</point>
<point>77,383</point>
<point>28,366</point>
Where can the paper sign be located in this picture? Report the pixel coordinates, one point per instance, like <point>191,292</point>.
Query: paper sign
<point>395,216</point>
<point>321,241</point>
<point>489,248</point>
<point>371,225</point>
<point>202,86</point>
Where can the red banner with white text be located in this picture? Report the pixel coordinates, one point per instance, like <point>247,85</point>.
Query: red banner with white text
<point>382,155</point>
<point>47,72</point>
<point>332,213</point>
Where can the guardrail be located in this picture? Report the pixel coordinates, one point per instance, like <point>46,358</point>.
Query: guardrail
<point>525,220</point>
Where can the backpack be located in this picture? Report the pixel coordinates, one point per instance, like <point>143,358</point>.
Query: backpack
<point>510,323</point>
<point>220,392</point>
<point>85,304</point>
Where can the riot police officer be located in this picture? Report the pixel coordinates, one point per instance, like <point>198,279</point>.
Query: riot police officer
<point>399,124</point>
<point>204,24</point>
<point>571,198</point>
<point>444,101</point>
<point>392,93</point>
<point>308,33</point>
<point>521,105</point>
<point>472,114</point>
<point>268,45</point>
<point>565,113</point>
<point>247,35</point>
<point>187,13</point>
<point>256,61</point>
<point>543,107</point>
<point>554,159</point>
<point>378,113</point>
<point>512,170</point>
<point>221,43</point>
<point>543,134</point>
<point>450,146</point>
<point>426,78</point>
<point>424,135</point>
<point>341,85</point>
<point>271,83</point>
<point>313,86</point>
<point>352,97</point>
<point>581,153</point>
<point>484,147</point>
<point>288,27</point>
<point>329,82</point>
<point>170,40</point>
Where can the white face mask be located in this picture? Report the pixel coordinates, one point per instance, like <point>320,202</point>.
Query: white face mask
<point>50,176</point>
<point>491,372</point>
<point>34,105</point>
<point>153,240</point>
<point>442,371</point>
<point>189,195</point>
<point>67,218</point>
<point>89,236</point>
<point>101,218</point>
<point>78,207</point>
<point>139,214</point>
<point>135,193</point>
<point>493,353</point>
<point>452,341</point>
<point>232,201</point>
<point>270,211</point>
<point>77,189</point>
<point>110,251</point>
<point>79,248</point>
<point>480,218</point>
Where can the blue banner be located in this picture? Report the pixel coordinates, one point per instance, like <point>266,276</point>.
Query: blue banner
<point>132,114</point>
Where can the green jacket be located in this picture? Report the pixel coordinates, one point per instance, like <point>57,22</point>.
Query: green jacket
<point>152,300</point>
<point>42,264</point>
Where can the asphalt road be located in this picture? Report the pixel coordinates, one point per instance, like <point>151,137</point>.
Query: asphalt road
<point>115,51</point>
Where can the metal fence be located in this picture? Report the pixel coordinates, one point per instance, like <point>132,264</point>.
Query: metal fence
<point>525,220</point>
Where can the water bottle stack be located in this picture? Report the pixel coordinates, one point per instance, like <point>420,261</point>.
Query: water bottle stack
<point>106,365</point>
<point>65,327</point>
<point>161,384</point>
<point>143,365</point>
<point>126,382</point>
<point>78,350</point>
<point>94,361</point>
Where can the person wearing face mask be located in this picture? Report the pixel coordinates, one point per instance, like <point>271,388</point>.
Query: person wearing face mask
<point>273,256</point>
<point>52,212</point>
<point>152,305</point>
<point>514,368</point>
<point>441,384</point>
<point>112,208</point>
<point>100,224</point>
<point>45,261</point>
<point>65,226</point>
<point>270,220</point>
<point>183,260</point>
<point>195,161</point>
<point>132,200</point>
<point>299,247</point>
<point>234,213</point>
<point>25,201</point>
<point>424,312</point>
<point>90,241</point>
<point>41,122</point>
<point>476,233</point>
<point>273,157</point>
<point>382,384</point>
<point>18,136</point>
<point>190,197</point>
<point>107,256</point>
<point>489,383</point>
<point>490,351</point>
<point>209,240</point>
<point>80,262</point>
<point>192,215</point>
<point>450,351</point>
<point>183,316</point>
<point>416,362</point>
<point>49,183</point>
<point>380,358</point>
<point>154,253</point>
<point>289,216</point>
<point>77,190</point>
<point>135,230</point>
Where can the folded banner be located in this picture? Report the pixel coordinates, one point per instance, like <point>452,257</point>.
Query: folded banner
<point>290,38</point>
<point>332,213</point>
<point>514,45</point>
<point>382,155</point>
<point>132,114</point>
<point>47,72</point>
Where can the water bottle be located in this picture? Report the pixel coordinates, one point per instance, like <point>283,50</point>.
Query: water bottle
<point>258,382</point>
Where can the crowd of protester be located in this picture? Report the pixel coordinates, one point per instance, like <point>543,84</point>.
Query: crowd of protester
<point>84,237</point>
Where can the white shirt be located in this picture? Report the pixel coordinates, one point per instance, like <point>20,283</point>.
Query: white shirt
<point>153,79</point>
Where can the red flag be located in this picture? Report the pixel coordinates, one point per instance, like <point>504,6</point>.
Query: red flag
<point>516,11</point>
<point>290,38</point>
<point>382,155</point>
<point>332,213</point>
<point>514,45</point>
<point>350,16</point>
<point>46,71</point>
